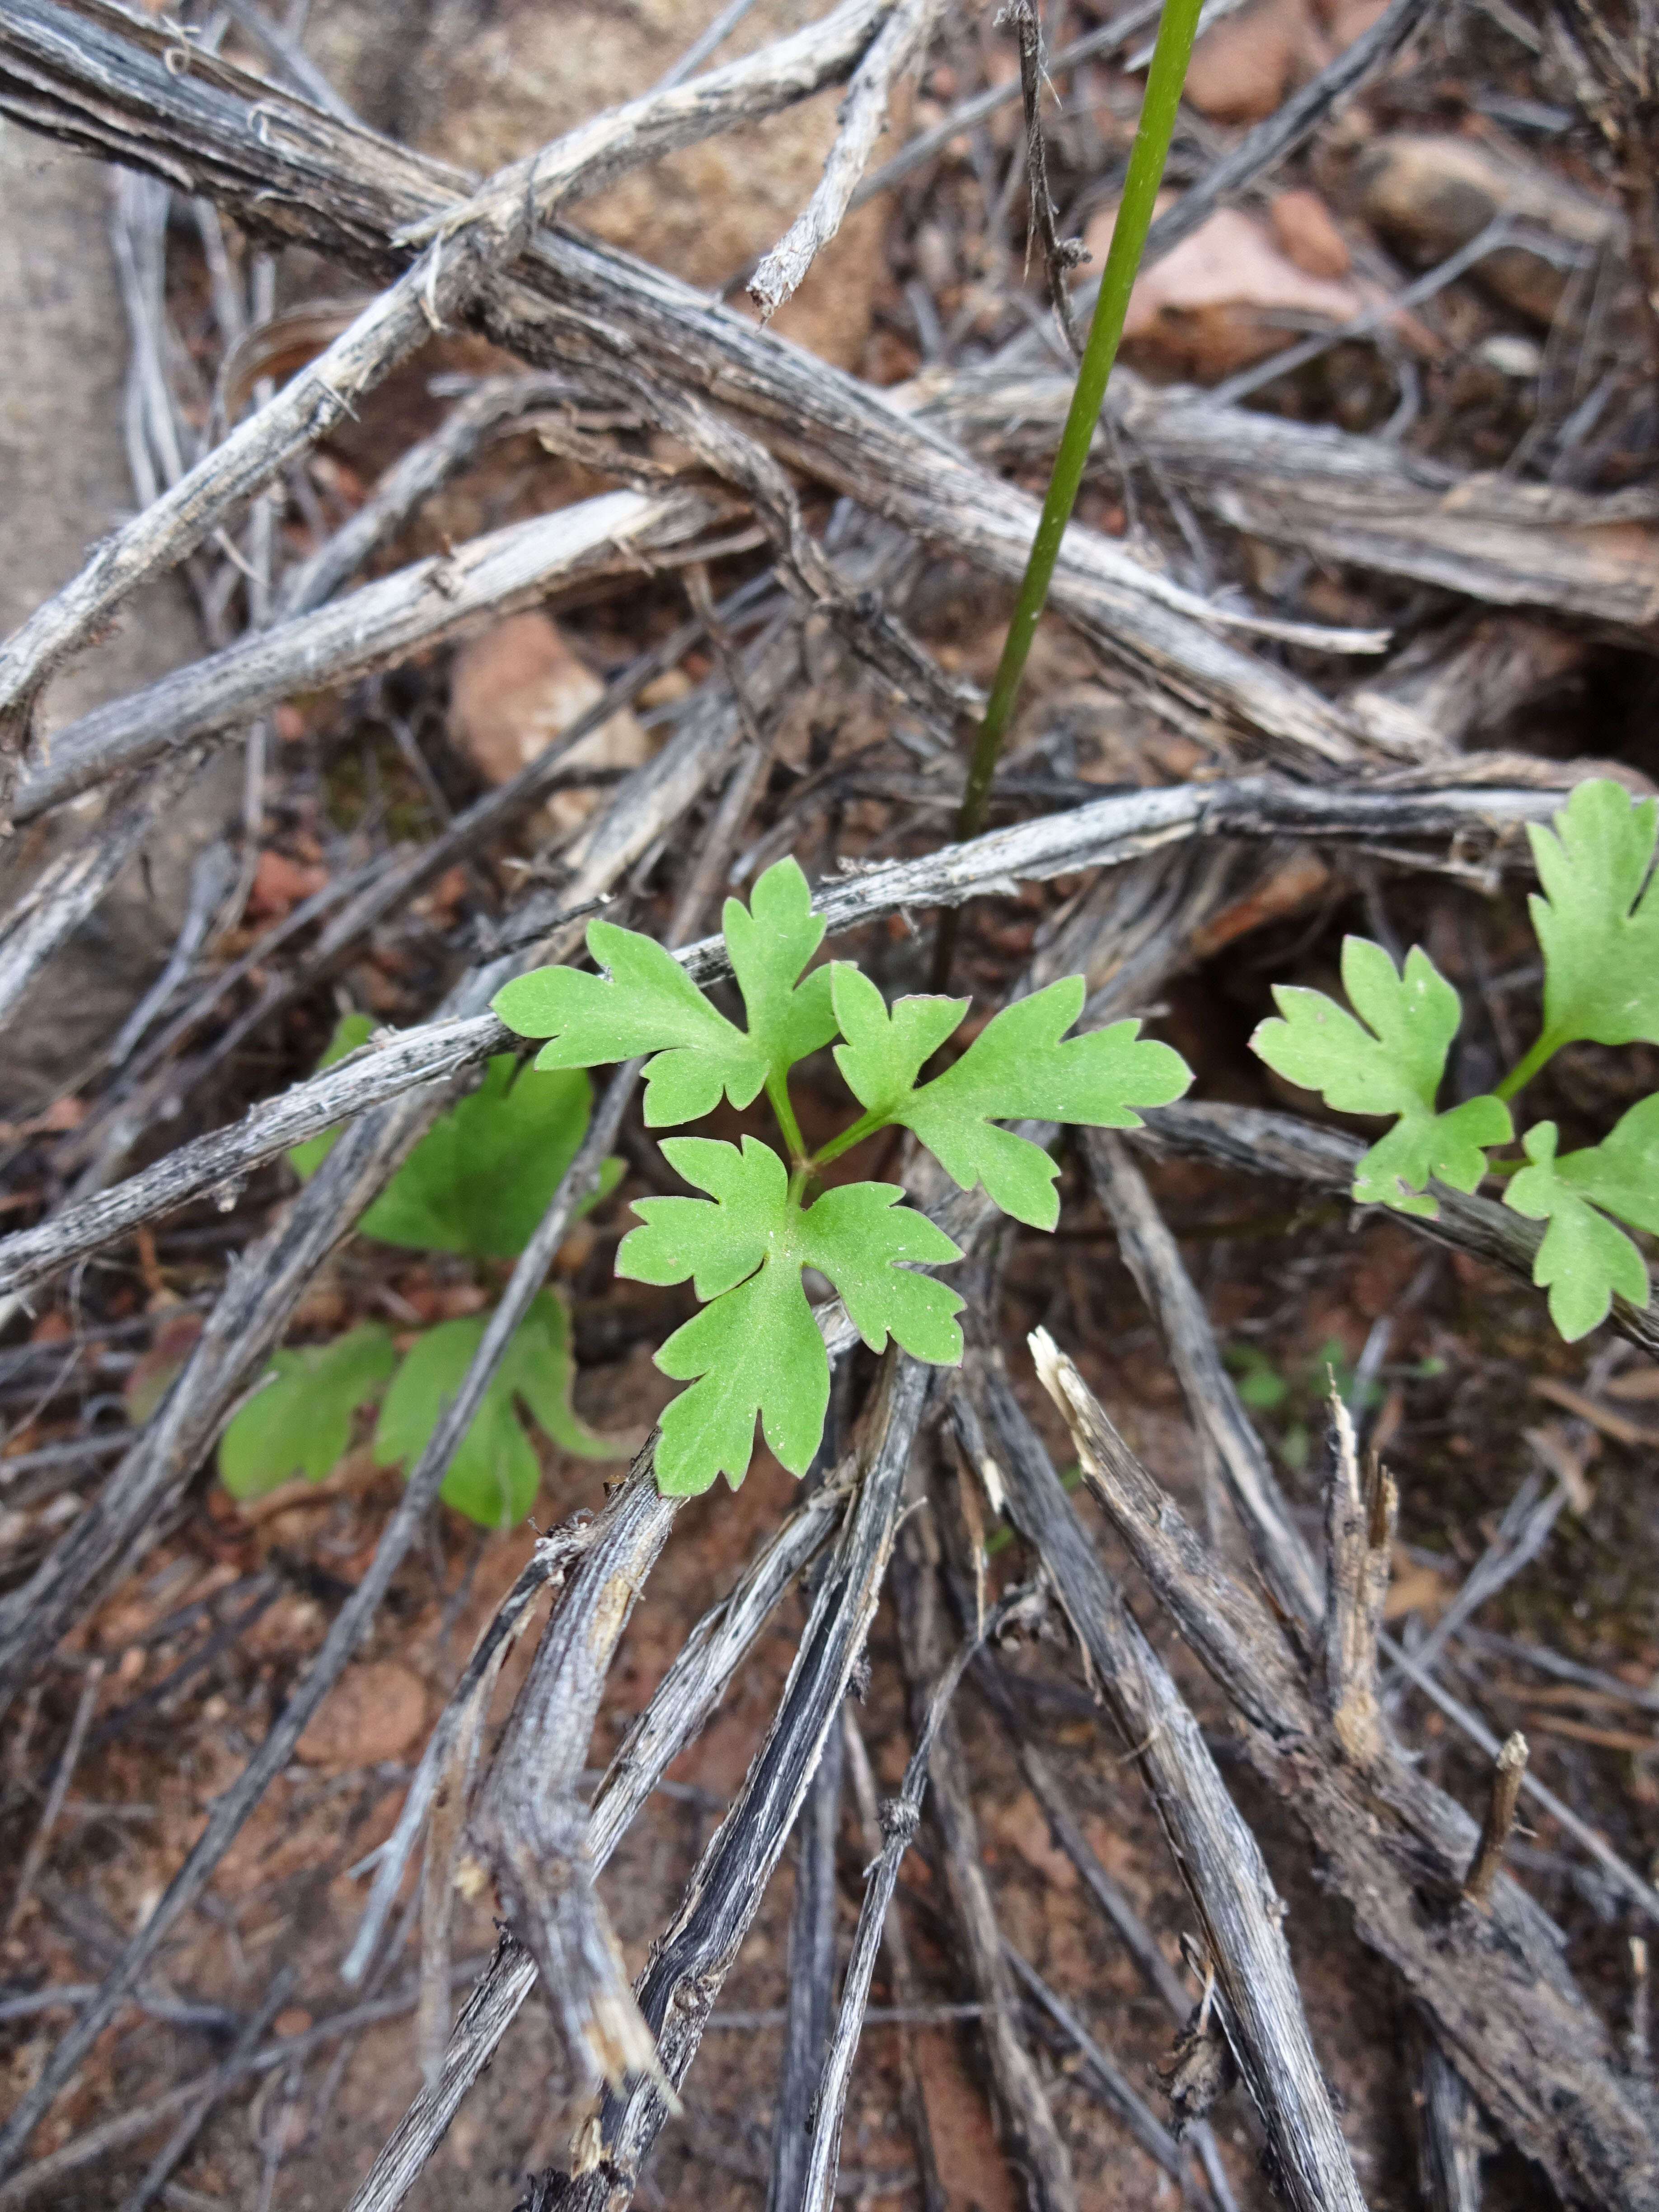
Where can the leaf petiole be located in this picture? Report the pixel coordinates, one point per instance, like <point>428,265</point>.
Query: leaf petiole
<point>865,1126</point>
<point>1524,1070</point>
<point>777,1089</point>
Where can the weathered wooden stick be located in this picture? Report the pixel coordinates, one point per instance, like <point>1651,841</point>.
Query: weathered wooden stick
<point>1507,1770</point>
<point>1106,833</point>
<point>474,235</point>
<point>1267,1143</point>
<point>382,623</point>
<point>569,301</point>
<point>1493,1981</point>
<point>231,1809</point>
<point>690,1963</point>
<point>1217,1857</point>
<point>861,121</point>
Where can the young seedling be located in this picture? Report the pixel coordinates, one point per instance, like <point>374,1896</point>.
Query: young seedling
<point>477,1183</point>
<point>754,1350</point>
<point>1597,922</point>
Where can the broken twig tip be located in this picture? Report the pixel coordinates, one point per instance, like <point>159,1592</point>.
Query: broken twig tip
<point>1507,1771</point>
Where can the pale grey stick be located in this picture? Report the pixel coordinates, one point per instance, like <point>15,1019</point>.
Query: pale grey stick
<point>496,219</point>
<point>682,1702</point>
<point>69,887</point>
<point>900,1817</point>
<point>1492,1977</point>
<point>411,479</point>
<point>232,1808</point>
<point>1219,1861</point>
<point>374,627</point>
<point>862,118</point>
<point>1105,833</point>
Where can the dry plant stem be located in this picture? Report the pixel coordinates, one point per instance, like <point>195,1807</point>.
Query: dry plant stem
<point>1333,494</point>
<point>1113,2087</point>
<point>1107,833</point>
<point>35,1856</point>
<point>690,1960</point>
<point>1507,1770</point>
<point>1059,256</point>
<point>812,1983</point>
<point>1279,1144</point>
<point>472,239</point>
<point>901,1969</point>
<point>1226,1878</point>
<point>1031,2142</point>
<point>569,300</point>
<point>267,1281</point>
<point>1225,1435</point>
<point>682,1702</point>
<point>1360,1518</point>
<point>66,891</point>
<point>1492,1983</point>
<point>460,1719</point>
<point>596,153</point>
<point>1449,2136</point>
<point>138,2121</point>
<point>529,1825</point>
<point>376,626</point>
<point>1177,26</point>
<point>232,1807</point>
<point>897,1822</point>
<point>862,120</point>
<point>224,2077</point>
<point>410,482</point>
<point>1640,1893</point>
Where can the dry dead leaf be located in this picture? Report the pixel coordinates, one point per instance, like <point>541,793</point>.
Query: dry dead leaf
<point>280,885</point>
<point>1207,308</point>
<point>1243,68</point>
<point>1304,227</point>
<point>377,1711</point>
<point>513,689</point>
<point>1415,1588</point>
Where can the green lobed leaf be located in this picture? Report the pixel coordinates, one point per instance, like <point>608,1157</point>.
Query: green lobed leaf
<point>481,1178</point>
<point>1016,1069</point>
<point>495,1474</point>
<point>301,1423</point>
<point>755,1349</point>
<point>1598,926</point>
<point>646,1003</point>
<point>1584,1258</point>
<point>1392,1067</point>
